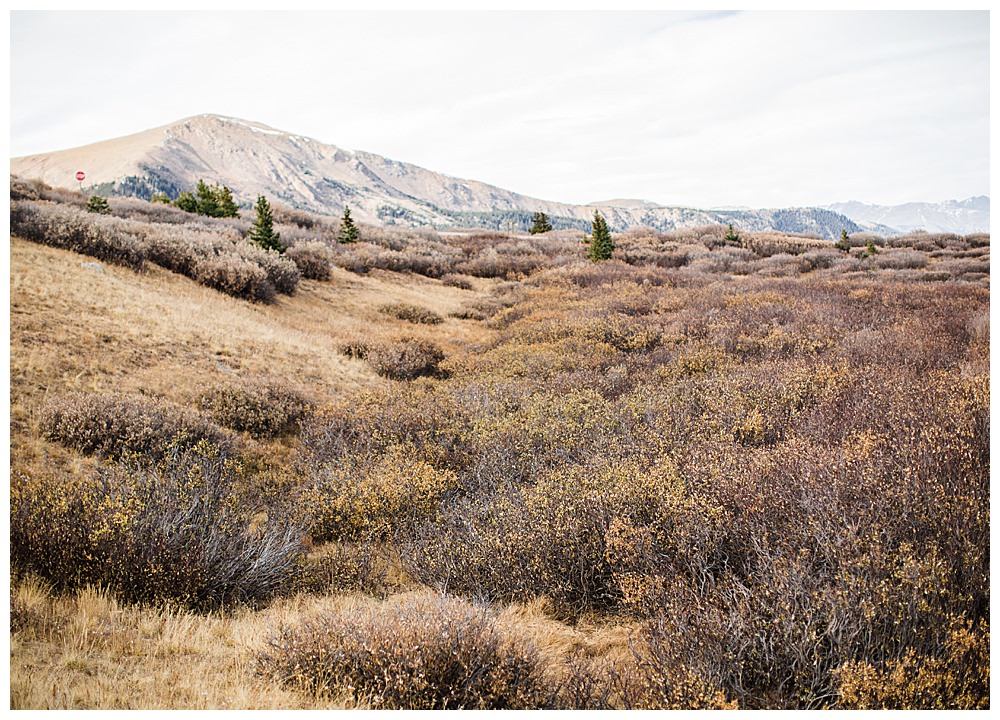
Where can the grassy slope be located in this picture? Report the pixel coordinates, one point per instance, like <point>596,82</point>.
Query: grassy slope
<point>74,327</point>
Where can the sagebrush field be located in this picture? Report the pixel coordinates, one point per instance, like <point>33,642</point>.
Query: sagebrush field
<point>473,470</point>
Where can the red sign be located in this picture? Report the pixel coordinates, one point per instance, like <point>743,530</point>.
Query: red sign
<point>80,175</point>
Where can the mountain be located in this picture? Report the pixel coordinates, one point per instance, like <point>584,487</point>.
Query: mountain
<point>251,159</point>
<point>962,217</point>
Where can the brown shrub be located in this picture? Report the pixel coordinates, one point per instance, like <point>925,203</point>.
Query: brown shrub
<point>411,313</point>
<point>420,653</point>
<point>344,567</point>
<point>68,228</point>
<point>901,260</point>
<point>261,407</point>
<point>183,532</point>
<point>374,497</point>
<point>234,276</point>
<point>459,281</point>
<point>117,424</point>
<point>405,359</point>
<point>312,259</point>
<point>958,679</point>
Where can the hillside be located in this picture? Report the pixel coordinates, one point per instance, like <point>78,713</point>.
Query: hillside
<point>477,470</point>
<point>302,172</point>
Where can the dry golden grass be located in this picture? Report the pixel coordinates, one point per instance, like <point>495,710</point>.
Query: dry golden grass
<point>74,327</point>
<point>86,651</point>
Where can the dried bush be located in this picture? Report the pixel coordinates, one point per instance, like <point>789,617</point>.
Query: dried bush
<point>459,281</point>
<point>420,653</point>
<point>261,407</point>
<point>548,539</point>
<point>312,259</point>
<point>281,271</point>
<point>405,359</point>
<point>118,424</point>
<point>901,260</point>
<point>373,498</point>
<point>411,313</point>
<point>344,567</point>
<point>958,680</point>
<point>71,229</point>
<point>354,349</point>
<point>184,531</point>
<point>234,276</point>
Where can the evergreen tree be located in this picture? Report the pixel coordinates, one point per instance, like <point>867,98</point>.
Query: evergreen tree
<point>186,202</point>
<point>844,243</point>
<point>262,231</point>
<point>732,237</point>
<point>348,230</point>
<point>207,202</point>
<point>225,203</point>
<point>871,250</point>
<point>160,197</point>
<point>601,245</point>
<point>97,204</point>
<point>541,224</point>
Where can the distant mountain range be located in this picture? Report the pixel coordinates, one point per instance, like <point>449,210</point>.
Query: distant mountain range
<point>961,217</point>
<point>251,159</point>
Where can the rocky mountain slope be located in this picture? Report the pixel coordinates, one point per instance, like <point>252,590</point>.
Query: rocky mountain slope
<point>961,217</point>
<point>251,159</point>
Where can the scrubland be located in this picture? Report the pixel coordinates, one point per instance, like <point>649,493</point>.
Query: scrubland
<point>480,471</point>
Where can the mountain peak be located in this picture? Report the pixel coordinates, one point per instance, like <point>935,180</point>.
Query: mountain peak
<point>252,158</point>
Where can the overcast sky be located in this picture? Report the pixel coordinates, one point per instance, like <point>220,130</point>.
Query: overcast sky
<point>698,109</point>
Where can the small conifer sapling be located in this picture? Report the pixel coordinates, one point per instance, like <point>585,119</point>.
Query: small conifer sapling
<point>348,230</point>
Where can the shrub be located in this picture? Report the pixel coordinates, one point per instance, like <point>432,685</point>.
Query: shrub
<point>117,424</point>
<point>183,531</point>
<point>405,359</point>
<point>901,260</point>
<point>420,653</point>
<point>261,407</point>
<point>957,681</point>
<point>459,281</point>
<point>78,231</point>
<point>312,259</point>
<point>516,543</point>
<point>411,313</point>
<point>234,276</point>
<point>354,349</point>
<point>362,498</point>
<point>282,273</point>
<point>343,567</point>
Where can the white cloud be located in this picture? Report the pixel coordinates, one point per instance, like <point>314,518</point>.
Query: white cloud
<point>753,108</point>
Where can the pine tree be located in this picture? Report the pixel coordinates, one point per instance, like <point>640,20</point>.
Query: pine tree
<point>732,237</point>
<point>225,203</point>
<point>97,204</point>
<point>186,202</point>
<point>601,245</point>
<point>160,197</point>
<point>541,224</point>
<point>348,230</point>
<point>207,202</point>
<point>262,231</point>
<point>844,243</point>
